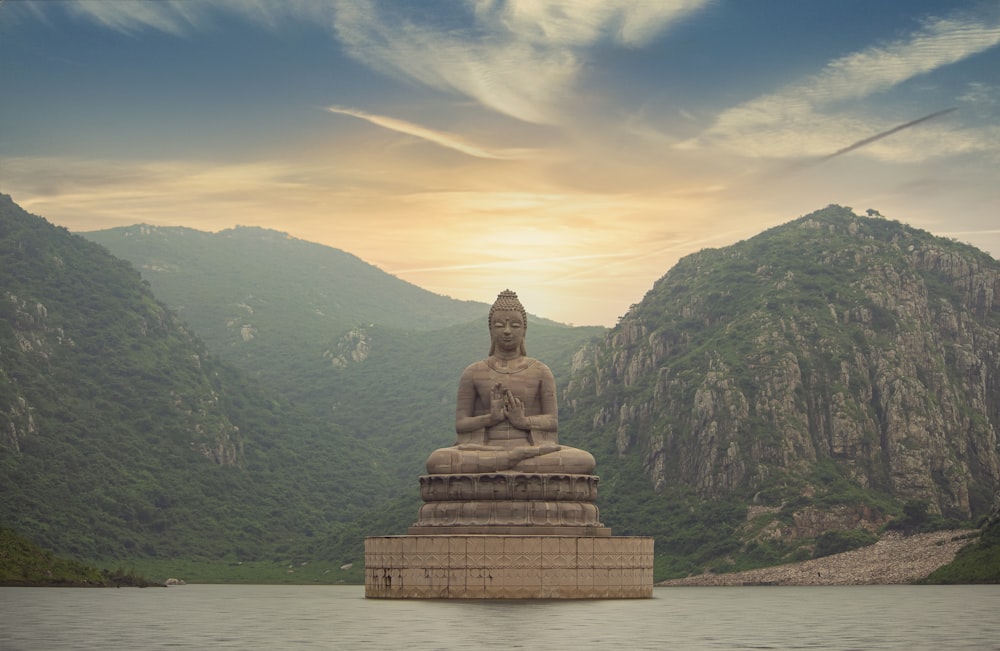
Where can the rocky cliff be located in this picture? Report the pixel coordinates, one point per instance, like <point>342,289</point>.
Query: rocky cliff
<point>824,364</point>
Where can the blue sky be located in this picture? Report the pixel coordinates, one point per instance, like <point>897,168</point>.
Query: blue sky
<point>572,150</point>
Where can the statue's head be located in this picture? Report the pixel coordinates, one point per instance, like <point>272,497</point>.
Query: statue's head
<point>507,305</point>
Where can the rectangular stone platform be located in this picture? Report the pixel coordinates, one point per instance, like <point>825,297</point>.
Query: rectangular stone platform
<point>508,567</point>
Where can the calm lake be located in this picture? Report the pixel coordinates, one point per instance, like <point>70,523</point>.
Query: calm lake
<point>339,617</point>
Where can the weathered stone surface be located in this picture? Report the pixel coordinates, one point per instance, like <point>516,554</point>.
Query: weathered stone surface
<point>509,486</point>
<point>506,416</point>
<point>507,472</point>
<point>508,567</point>
<point>479,502</point>
<point>508,512</point>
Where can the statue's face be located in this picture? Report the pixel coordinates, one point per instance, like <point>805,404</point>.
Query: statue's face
<point>507,330</point>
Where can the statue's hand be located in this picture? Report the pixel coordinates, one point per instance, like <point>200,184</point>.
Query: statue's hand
<point>497,411</point>
<point>515,411</point>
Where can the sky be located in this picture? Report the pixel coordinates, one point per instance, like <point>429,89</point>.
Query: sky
<point>570,150</point>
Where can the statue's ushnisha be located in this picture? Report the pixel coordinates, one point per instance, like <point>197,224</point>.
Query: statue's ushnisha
<point>506,417</point>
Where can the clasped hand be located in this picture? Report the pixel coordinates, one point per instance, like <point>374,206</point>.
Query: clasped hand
<point>505,405</point>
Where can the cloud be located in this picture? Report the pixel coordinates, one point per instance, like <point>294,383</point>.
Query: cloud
<point>807,117</point>
<point>447,140</point>
<point>177,17</point>
<point>90,191</point>
<point>580,23</point>
<point>519,58</point>
<point>172,17</point>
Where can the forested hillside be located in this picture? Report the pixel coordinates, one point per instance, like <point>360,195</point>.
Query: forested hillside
<point>336,335</point>
<point>810,381</point>
<point>778,399</point>
<point>275,305</point>
<point>122,437</point>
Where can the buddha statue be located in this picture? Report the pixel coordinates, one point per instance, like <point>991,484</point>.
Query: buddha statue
<point>506,418</point>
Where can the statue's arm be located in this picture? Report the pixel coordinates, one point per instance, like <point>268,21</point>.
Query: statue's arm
<point>467,422</point>
<point>542,426</point>
<point>548,418</point>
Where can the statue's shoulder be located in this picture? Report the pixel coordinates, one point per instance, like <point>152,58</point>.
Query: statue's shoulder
<point>540,365</point>
<point>476,367</point>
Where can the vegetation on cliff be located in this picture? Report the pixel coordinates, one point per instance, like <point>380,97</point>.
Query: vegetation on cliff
<point>122,437</point>
<point>814,378</point>
<point>335,335</point>
<point>781,399</point>
<point>978,562</point>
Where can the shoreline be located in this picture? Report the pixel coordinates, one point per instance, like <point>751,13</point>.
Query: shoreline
<point>894,559</point>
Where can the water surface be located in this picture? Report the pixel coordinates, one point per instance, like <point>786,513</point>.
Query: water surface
<point>913,618</point>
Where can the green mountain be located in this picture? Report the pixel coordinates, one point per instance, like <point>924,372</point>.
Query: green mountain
<point>273,304</point>
<point>330,332</point>
<point>23,563</point>
<point>122,437</point>
<point>780,398</point>
<point>811,380</point>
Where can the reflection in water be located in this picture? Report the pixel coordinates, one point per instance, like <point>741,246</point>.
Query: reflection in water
<point>339,617</point>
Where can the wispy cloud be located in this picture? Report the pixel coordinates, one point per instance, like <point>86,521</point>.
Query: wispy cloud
<point>451,141</point>
<point>179,17</point>
<point>811,116</point>
<point>518,58</point>
<point>580,23</point>
<point>169,16</point>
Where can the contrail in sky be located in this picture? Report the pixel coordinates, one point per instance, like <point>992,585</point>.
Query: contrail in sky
<point>801,165</point>
<point>879,136</point>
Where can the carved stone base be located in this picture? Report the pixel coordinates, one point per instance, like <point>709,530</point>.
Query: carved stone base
<point>509,503</point>
<point>508,567</point>
<point>509,530</point>
<point>508,513</point>
<point>518,486</point>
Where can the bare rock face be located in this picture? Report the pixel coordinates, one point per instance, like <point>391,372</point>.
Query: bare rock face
<point>352,348</point>
<point>832,341</point>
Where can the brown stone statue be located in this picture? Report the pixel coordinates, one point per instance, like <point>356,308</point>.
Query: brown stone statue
<point>506,418</point>
<point>507,511</point>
